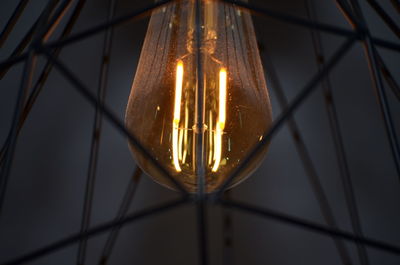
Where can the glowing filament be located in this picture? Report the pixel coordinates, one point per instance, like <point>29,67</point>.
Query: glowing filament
<point>221,119</point>
<point>177,114</point>
<point>185,136</point>
<point>210,139</point>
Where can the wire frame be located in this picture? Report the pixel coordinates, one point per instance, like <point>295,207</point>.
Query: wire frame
<point>36,41</point>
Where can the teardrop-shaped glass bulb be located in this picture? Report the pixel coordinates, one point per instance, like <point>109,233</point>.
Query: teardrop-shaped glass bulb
<point>199,101</point>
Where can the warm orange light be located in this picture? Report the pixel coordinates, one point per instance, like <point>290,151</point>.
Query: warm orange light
<point>234,97</point>
<point>221,119</point>
<point>177,114</point>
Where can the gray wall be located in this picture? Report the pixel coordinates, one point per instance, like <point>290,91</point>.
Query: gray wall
<point>46,187</point>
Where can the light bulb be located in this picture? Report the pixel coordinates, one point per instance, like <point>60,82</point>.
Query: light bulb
<point>199,101</point>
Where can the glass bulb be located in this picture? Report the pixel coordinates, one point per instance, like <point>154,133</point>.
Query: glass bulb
<point>199,101</point>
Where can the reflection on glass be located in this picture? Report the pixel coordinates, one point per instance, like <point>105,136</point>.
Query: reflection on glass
<point>165,98</point>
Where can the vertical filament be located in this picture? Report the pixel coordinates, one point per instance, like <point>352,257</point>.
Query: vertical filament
<point>210,139</point>
<point>177,114</point>
<point>221,119</point>
<point>185,136</point>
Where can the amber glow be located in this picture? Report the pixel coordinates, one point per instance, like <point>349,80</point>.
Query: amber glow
<point>177,114</point>
<point>179,135</point>
<point>221,119</point>
<point>199,101</point>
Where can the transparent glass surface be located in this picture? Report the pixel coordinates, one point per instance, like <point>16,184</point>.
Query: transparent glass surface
<point>199,101</point>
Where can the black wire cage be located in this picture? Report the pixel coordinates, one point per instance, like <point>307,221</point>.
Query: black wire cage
<point>329,45</point>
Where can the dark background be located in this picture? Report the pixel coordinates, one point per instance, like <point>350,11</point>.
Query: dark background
<point>46,188</point>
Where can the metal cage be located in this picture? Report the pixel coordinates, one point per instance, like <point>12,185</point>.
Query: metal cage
<point>35,43</point>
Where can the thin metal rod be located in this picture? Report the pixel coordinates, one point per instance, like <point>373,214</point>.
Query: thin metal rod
<point>21,97</point>
<point>341,157</point>
<point>199,106</point>
<point>292,19</point>
<point>18,50</point>
<point>199,142</point>
<point>4,65</point>
<point>17,56</point>
<point>345,8</point>
<point>60,244</point>
<point>286,113</point>
<point>79,86</point>
<point>96,136</point>
<point>309,24</point>
<point>392,83</point>
<point>383,103</point>
<point>202,230</point>
<point>99,28</point>
<point>12,136</point>
<point>46,32</point>
<point>122,212</point>
<point>373,59</point>
<point>12,21</point>
<point>56,19</point>
<point>37,88</point>
<point>384,44</point>
<point>385,17</point>
<point>266,12</point>
<point>304,154</point>
<point>227,233</point>
<point>311,226</point>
